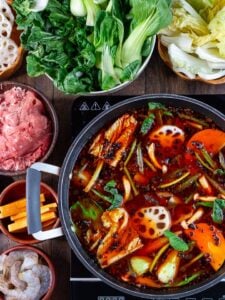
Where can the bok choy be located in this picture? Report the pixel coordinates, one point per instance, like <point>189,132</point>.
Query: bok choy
<point>148,17</point>
<point>89,45</point>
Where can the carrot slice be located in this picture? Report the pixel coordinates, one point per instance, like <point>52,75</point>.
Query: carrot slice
<point>210,242</point>
<point>147,281</point>
<point>152,246</point>
<point>213,140</point>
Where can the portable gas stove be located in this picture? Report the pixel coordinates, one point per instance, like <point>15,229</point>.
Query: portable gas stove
<point>83,285</point>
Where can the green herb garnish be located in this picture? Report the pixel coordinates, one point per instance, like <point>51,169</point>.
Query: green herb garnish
<point>156,105</point>
<point>217,206</point>
<point>176,242</point>
<point>219,172</point>
<point>168,113</point>
<point>147,123</point>
<point>87,209</point>
<point>217,212</point>
<point>117,199</point>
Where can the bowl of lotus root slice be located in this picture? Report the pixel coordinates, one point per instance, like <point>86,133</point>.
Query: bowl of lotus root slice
<point>11,51</point>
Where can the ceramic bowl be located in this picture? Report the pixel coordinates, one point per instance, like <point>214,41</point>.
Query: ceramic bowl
<point>15,36</point>
<point>49,112</point>
<point>163,53</point>
<point>15,191</point>
<point>44,259</point>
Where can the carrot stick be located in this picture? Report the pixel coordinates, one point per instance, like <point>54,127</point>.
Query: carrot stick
<point>152,246</point>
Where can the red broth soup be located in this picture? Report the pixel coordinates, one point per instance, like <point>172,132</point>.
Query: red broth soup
<point>147,197</point>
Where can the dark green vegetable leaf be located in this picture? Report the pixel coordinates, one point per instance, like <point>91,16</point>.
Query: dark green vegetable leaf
<point>147,47</point>
<point>117,199</point>
<point>217,206</point>
<point>220,172</point>
<point>156,105</point>
<point>217,212</point>
<point>147,18</point>
<point>129,72</point>
<point>86,209</point>
<point>176,242</point>
<point>23,6</point>
<point>61,45</point>
<point>108,37</point>
<point>147,123</point>
<point>167,113</point>
<point>34,67</point>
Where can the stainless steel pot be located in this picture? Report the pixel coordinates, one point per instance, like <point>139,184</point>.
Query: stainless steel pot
<point>33,177</point>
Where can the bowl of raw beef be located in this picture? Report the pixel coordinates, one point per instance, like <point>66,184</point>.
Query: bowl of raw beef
<point>28,127</point>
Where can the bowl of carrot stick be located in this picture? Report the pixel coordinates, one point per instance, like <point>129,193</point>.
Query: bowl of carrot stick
<point>13,215</point>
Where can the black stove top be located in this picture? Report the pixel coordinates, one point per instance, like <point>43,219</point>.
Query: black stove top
<point>84,286</point>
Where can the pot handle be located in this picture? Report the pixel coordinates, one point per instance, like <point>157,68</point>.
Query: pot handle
<point>33,179</point>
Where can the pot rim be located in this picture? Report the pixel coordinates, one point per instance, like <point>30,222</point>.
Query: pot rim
<point>64,183</point>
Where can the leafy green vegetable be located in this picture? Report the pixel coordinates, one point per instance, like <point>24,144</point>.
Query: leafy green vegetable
<point>85,8</point>
<point>86,209</point>
<point>156,105</point>
<point>176,242</point>
<point>78,8</point>
<point>80,44</point>
<point>108,35</point>
<point>148,17</point>
<point>92,11</point>
<point>217,212</point>
<point>117,199</point>
<point>147,123</point>
<point>149,120</point>
<point>218,206</point>
<point>220,172</point>
<point>23,6</point>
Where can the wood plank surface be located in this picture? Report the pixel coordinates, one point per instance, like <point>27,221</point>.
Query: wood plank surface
<point>157,78</point>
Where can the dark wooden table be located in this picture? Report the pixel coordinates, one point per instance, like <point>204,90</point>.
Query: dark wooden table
<point>157,78</point>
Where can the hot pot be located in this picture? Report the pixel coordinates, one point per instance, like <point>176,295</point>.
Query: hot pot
<point>33,178</point>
